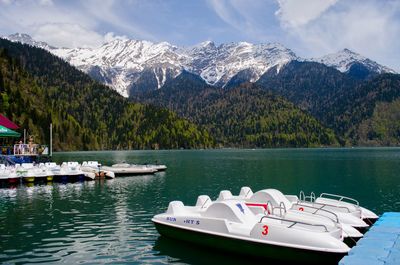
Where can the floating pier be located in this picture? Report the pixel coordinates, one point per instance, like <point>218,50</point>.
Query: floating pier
<point>380,245</point>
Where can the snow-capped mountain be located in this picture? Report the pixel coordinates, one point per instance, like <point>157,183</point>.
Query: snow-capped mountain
<point>121,62</point>
<point>27,39</point>
<point>136,65</point>
<point>344,59</point>
<point>125,64</point>
<point>217,65</point>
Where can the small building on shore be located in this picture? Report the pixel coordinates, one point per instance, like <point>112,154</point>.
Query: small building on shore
<point>15,149</point>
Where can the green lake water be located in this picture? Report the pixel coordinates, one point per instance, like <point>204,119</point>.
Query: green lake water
<point>103,222</point>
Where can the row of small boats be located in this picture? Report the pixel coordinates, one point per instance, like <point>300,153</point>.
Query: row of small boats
<point>268,223</point>
<point>70,171</point>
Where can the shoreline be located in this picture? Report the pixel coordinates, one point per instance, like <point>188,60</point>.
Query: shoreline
<point>237,149</point>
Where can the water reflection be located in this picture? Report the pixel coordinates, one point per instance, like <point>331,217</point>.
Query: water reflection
<point>182,252</point>
<point>107,221</point>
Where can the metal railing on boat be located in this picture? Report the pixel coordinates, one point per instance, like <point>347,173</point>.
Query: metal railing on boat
<point>335,217</point>
<point>293,222</point>
<point>339,198</point>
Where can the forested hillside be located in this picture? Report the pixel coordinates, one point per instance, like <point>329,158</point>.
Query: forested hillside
<point>357,110</point>
<point>303,104</point>
<point>38,88</point>
<point>368,114</point>
<point>241,117</point>
<point>309,85</point>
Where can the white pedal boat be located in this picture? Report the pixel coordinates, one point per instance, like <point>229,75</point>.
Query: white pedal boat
<point>157,167</point>
<point>53,169</point>
<point>128,169</point>
<point>8,174</point>
<point>38,173</point>
<point>346,215</point>
<point>341,201</point>
<point>94,169</point>
<point>4,173</point>
<point>231,226</point>
<point>71,172</point>
<point>25,171</point>
<point>270,202</point>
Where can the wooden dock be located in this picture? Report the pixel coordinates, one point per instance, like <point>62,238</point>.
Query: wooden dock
<point>380,245</point>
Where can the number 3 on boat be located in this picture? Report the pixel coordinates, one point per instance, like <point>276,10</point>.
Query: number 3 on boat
<point>265,230</point>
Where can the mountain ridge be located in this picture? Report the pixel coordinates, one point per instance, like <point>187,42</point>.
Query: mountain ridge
<point>129,65</point>
<point>38,88</point>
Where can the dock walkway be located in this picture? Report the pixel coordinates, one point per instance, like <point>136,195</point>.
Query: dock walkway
<point>380,245</point>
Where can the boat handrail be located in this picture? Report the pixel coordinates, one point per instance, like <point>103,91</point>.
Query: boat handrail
<point>303,197</point>
<point>324,204</point>
<point>281,208</point>
<point>293,222</point>
<point>339,198</point>
<point>335,217</point>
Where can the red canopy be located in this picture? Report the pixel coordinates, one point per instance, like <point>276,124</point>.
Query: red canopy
<point>7,123</point>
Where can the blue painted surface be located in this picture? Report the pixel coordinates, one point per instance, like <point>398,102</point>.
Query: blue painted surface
<point>380,245</point>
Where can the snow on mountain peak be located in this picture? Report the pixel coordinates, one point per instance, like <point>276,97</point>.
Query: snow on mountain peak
<point>27,39</point>
<point>127,59</point>
<point>218,64</point>
<point>207,43</point>
<point>345,58</point>
<point>124,63</point>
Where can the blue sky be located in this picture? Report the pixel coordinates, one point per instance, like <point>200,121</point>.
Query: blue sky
<point>311,28</point>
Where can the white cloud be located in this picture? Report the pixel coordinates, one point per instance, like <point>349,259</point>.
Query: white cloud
<point>65,24</point>
<point>46,2</point>
<point>227,12</point>
<point>108,13</point>
<point>67,35</point>
<point>370,27</point>
<point>110,36</point>
<point>295,13</point>
<point>309,27</point>
<point>253,20</point>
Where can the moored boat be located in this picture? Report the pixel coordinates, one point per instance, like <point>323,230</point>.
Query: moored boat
<point>13,177</point>
<point>38,174</point>
<point>157,167</point>
<point>273,202</point>
<point>24,172</point>
<point>8,175</point>
<point>53,170</point>
<point>71,172</point>
<point>343,201</point>
<point>94,169</point>
<point>231,226</point>
<point>350,215</point>
<point>3,173</point>
<point>344,207</point>
<point>128,169</point>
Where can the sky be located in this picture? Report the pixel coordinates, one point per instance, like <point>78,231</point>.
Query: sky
<point>311,28</point>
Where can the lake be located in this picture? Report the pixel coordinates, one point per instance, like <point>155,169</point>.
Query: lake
<point>108,221</point>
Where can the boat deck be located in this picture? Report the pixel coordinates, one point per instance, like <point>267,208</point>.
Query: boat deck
<point>380,245</point>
